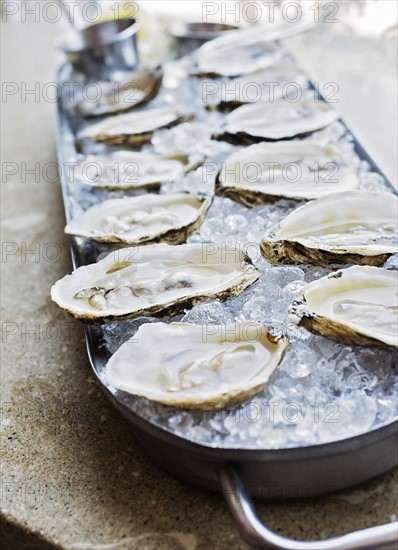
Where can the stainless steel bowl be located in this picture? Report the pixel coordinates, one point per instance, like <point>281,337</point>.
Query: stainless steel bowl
<point>190,36</point>
<point>102,50</point>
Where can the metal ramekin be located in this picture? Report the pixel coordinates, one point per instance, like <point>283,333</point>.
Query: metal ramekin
<point>189,36</point>
<point>101,50</point>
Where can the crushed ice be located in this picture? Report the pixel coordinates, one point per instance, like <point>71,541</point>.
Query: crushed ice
<point>323,391</point>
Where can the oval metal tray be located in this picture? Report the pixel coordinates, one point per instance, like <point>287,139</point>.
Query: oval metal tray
<point>306,471</point>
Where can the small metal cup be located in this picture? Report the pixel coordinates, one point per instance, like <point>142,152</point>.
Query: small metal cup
<point>102,50</point>
<point>190,36</point>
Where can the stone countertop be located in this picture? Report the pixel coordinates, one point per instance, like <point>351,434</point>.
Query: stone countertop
<point>72,474</point>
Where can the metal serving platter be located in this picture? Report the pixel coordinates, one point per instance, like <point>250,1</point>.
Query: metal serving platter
<point>280,473</point>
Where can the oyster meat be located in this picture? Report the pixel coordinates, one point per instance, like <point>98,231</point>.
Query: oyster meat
<point>196,367</point>
<point>276,120</point>
<point>133,129</point>
<point>236,53</point>
<point>145,219</point>
<point>115,97</point>
<point>154,279</point>
<point>124,170</point>
<point>357,227</point>
<point>265,172</point>
<point>268,85</point>
<point>357,306</point>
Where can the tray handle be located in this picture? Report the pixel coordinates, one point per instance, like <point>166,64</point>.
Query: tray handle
<point>258,536</point>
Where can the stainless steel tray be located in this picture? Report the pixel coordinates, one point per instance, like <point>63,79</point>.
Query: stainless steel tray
<point>282,473</point>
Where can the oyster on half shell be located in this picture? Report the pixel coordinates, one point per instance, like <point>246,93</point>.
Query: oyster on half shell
<point>276,120</point>
<point>357,306</point>
<point>266,172</point>
<point>133,129</point>
<point>134,90</point>
<point>236,53</point>
<point>266,85</point>
<point>156,279</point>
<point>145,219</point>
<point>357,227</point>
<point>196,367</point>
<point>125,170</point>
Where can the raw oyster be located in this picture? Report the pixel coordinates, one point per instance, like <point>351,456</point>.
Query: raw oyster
<point>357,227</point>
<point>196,367</point>
<point>133,129</point>
<point>115,97</point>
<point>145,219</point>
<point>276,120</point>
<point>236,53</point>
<point>119,170</point>
<point>265,172</point>
<point>357,306</point>
<point>268,84</point>
<point>154,279</point>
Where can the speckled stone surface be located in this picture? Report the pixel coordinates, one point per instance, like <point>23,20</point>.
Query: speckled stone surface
<point>72,474</point>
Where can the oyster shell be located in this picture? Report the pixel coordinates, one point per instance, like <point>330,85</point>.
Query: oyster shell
<point>145,219</point>
<point>196,367</point>
<point>115,97</point>
<point>123,170</point>
<point>265,172</point>
<point>276,120</point>
<point>357,227</point>
<point>357,306</point>
<point>152,280</point>
<point>236,53</point>
<point>133,129</point>
<point>266,85</point>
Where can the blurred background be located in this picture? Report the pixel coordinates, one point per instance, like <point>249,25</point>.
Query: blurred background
<point>351,43</point>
